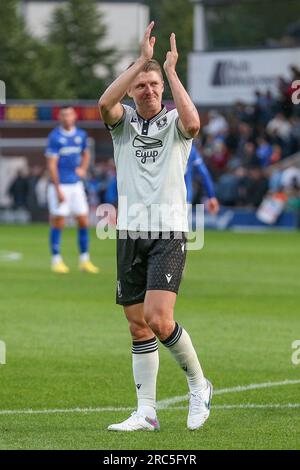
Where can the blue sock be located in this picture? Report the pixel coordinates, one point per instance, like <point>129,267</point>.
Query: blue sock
<point>83,240</point>
<point>54,239</point>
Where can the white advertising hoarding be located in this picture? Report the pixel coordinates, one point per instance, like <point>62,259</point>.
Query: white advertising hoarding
<point>222,78</point>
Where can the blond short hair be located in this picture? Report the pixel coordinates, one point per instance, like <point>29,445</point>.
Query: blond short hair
<point>151,65</point>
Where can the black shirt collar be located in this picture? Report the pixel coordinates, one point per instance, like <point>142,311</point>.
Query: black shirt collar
<point>155,117</point>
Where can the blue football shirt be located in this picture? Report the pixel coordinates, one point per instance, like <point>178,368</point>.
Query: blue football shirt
<point>67,146</point>
<point>196,164</point>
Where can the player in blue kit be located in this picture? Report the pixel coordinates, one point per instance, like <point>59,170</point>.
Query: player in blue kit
<point>197,166</point>
<point>68,159</point>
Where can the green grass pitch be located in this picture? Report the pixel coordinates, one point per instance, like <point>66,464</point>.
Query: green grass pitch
<point>68,346</point>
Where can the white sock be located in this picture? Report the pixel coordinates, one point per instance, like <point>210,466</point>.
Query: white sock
<point>56,259</point>
<point>83,257</point>
<point>181,348</point>
<point>145,363</point>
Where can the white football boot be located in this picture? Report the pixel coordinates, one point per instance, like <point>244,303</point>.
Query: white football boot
<point>199,407</point>
<point>136,422</point>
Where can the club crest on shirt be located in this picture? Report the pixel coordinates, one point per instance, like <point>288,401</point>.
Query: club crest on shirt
<point>78,140</point>
<point>161,123</point>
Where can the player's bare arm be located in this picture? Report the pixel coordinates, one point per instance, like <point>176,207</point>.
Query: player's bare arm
<point>110,106</point>
<point>189,121</point>
<point>52,167</point>
<point>85,161</point>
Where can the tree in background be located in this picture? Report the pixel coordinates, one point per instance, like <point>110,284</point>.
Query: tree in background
<point>20,66</point>
<point>254,23</point>
<point>64,66</point>
<point>77,32</point>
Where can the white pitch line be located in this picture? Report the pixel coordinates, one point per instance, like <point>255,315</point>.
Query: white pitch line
<point>59,411</point>
<point>174,408</point>
<point>239,388</point>
<point>164,404</point>
<point>10,256</point>
<point>245,406</point>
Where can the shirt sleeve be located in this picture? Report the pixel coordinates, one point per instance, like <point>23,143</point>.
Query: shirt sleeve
<point>118,124</point>
<point>52,149</point>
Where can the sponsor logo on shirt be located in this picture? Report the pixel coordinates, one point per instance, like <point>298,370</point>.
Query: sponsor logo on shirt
<point>69,150</point>
<point>147,144</point>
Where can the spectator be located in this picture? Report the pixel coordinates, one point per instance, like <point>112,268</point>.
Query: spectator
<point>279,126</point>
<point>227,189</point>
<point>256,188</point>
<point>249,157</point>
<point>219,157</point>
<point>217,124</point>
<point>277,154</point>
<point>285,104</point>
<point>245,134</point>
<point>18,190</point>
<point>264,151</point>
<point>263,107</point>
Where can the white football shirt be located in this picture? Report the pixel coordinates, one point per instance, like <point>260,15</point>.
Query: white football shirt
<point>151,157</point>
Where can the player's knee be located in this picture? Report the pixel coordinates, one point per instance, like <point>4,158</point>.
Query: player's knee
<point>82,222</point>
<point>159,324</point>
<point>139,331</point>
<point>58,222</point>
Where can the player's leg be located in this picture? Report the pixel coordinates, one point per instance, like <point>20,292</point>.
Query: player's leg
<point>165,268</point>
<point>159,315</point>
<point>131,288</point>
<point>80,210</point>
<point>145,360</point>
<point>58,211</point>
<point>145,363</point>
<point>56,227</point>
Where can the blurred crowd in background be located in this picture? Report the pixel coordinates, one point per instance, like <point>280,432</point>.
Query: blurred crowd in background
<point>240,146</point>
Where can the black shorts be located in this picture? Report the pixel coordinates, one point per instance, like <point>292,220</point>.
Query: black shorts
<point>148,264</point>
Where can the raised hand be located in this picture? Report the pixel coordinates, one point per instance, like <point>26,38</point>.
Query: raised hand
<point>172,55</point>
<point>148,43</point>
